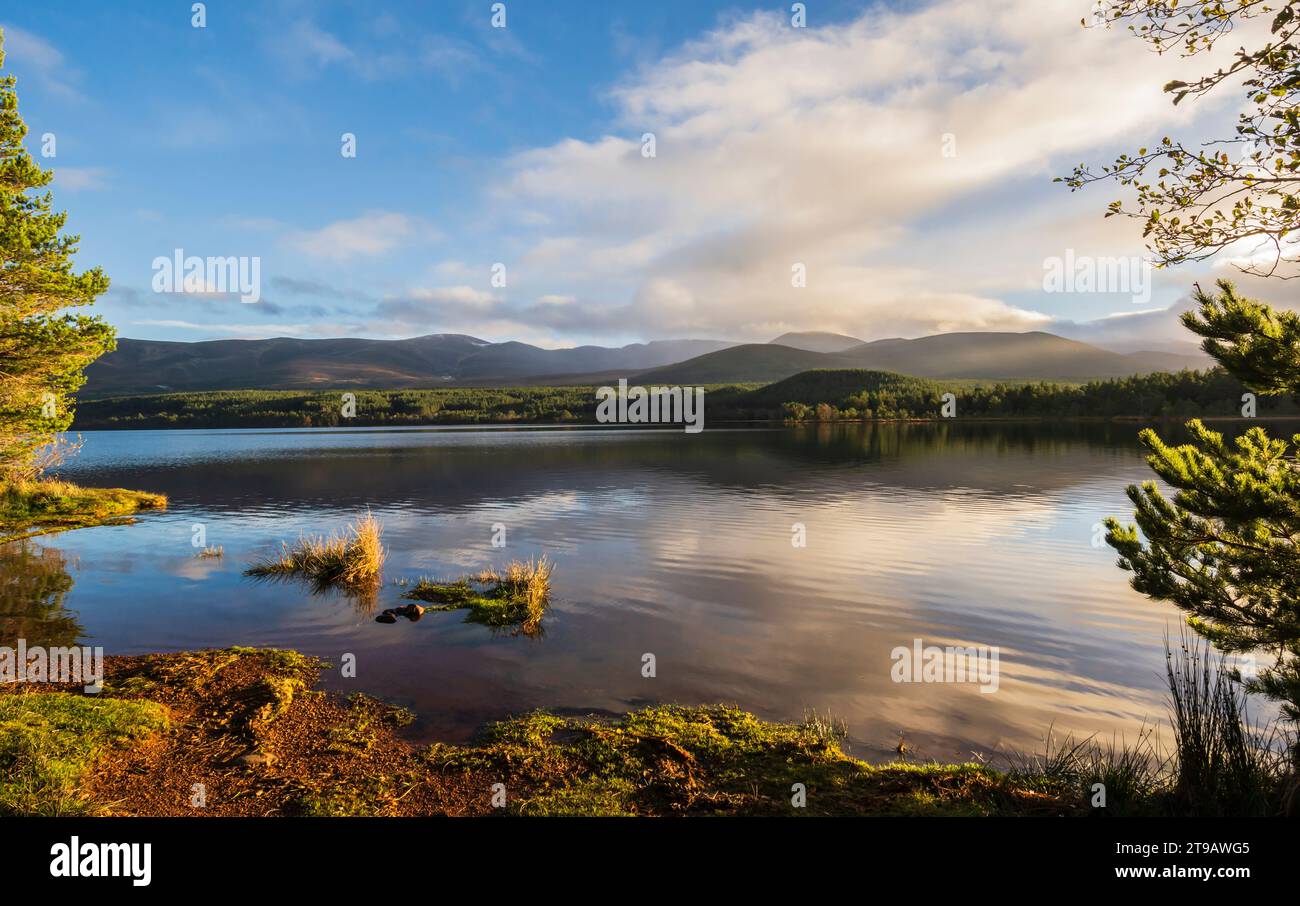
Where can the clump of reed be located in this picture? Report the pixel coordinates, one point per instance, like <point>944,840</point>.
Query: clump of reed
<point>1116,777</point>
<point>1226,765</point>
<point>211,553</point>
<point>1221,763</point>
<point>526,582</point>
<point>351,559</point>
<point>514,597</point>
<point>826,727</point>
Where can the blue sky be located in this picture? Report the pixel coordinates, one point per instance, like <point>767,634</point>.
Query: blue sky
<point>520,146</point>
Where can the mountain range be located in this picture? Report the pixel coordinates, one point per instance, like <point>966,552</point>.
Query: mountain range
<point>154,366</point>
<point>987,356</point>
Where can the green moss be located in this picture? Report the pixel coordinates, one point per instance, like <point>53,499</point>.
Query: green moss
<point>48,741</point>
<point>719,760</point>
<point>38,507</point>
<point>364,800</point>
<point>358,735</point>
<point>278,659</point>
<point>598,798</point>
<point>279,691</point>
<point>193,669</point>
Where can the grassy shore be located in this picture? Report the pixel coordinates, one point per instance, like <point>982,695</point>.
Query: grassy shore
<point>246,726</point>
<point>31,508</point>
<point>242,732</point>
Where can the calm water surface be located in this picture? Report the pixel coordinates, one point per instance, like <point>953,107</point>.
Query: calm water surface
<point>665,543</point>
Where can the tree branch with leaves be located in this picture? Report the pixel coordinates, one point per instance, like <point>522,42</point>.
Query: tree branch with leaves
<point>1239,193</point>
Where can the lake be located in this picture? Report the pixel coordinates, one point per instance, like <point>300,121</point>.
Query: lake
<point>665,543</point>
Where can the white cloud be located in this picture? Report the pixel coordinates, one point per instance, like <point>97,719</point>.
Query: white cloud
<point>318,45</point>
<point>373,233</point>
<point>303,48</point>
<point>77,179</point>
<point>822,147</point>
<point>239,330</point>
<point>32,56</point>
<point>388,49</point>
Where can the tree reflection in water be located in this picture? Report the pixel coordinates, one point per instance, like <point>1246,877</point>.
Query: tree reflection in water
<point>34,580</point>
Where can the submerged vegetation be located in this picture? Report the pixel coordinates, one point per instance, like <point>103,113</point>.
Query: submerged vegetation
<point>34,507</point>
<point>515,598</point>
<point>351,560</point>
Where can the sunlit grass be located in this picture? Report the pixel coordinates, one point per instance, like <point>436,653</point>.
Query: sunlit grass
<point>52,505</point>
<point>48,741</point>
<point>514,597</point>
<point>526,581</point>
<point>352,559</point>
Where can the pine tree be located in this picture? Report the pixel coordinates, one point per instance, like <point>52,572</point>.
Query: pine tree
<point>43,349</point>
<point>1226,548</point>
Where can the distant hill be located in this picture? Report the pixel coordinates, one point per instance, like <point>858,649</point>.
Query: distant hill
<point>751,362</point>
<point>817,341</point>
<point>986,356</point>
<point>151,366</point>
<point>834,386</point>
<point>1012,355</point>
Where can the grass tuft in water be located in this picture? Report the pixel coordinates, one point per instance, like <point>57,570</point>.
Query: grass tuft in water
<point>350,560</point>
<point>516,597</point>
